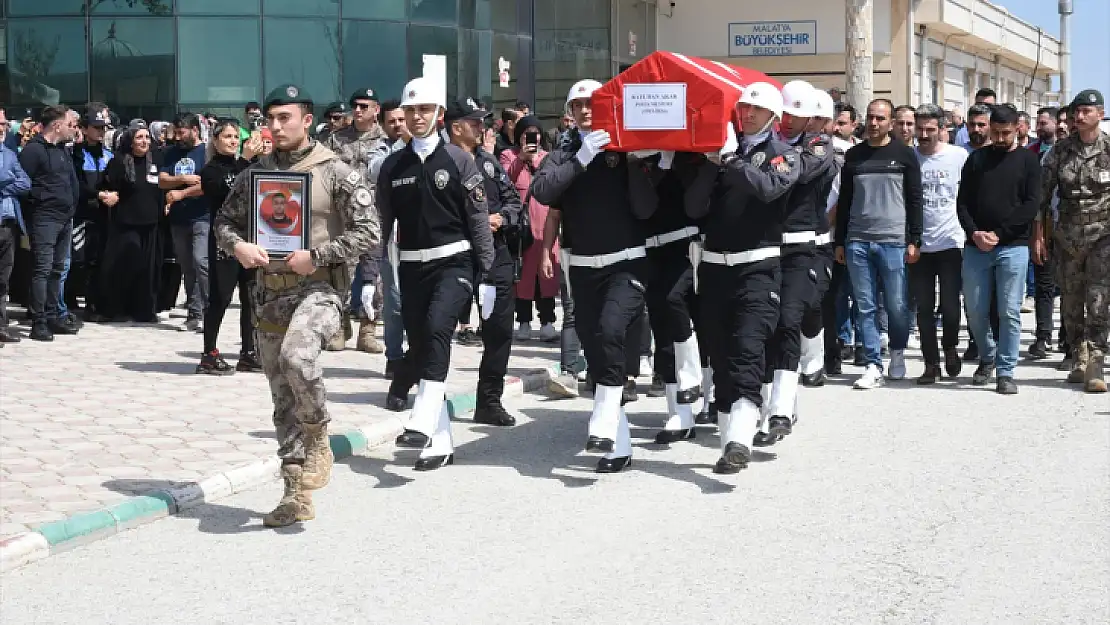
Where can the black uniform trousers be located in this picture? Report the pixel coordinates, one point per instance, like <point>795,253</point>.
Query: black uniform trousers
<point>670,290</point>
<point>740,310</point>
<point>432,294</point>
<point>607,302</point>
<point>1044,294</point>
<point>946,267</point>
<point>828,312</point>
<point>813,321</point>
<point>497,331</point>
<point>798,283</point>
<point>224,274</point>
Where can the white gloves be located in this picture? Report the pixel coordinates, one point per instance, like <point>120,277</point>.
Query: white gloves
<point>592,144</point>
<point>487,294</point>
<point>731,143</point>
<point>666,159</point>
<point>367,300</point>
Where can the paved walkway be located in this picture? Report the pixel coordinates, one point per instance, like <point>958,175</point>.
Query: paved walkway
<point>86,421</point>
<point>942,505</point>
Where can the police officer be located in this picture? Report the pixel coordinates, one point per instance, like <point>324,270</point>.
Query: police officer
<point>357,144</point>
<point>602,198</point>
<point>813,358</point>
<point>445,249</point>
<point>297,300</point>
<point>670,291</point>
<point>1079,166</point>
<point>799,275</point>
<point>463,121</point>
<point>739,275</point>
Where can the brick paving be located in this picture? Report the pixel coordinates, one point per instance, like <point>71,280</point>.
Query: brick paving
<point>88,420</point>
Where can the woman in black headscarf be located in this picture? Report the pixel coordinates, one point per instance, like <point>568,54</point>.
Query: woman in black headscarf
<point>133,255</point>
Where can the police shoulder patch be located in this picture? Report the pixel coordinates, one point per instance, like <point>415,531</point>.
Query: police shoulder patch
<point>441,178</point>
<point>479,193</point>
<point>488,167</point>
<point>758,158</point>
<point>472,182</point>
<point>362,197</point>
<point>819,150</point>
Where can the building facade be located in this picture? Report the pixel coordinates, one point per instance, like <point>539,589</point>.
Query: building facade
<point>954,47</point>
<point>151,58</point>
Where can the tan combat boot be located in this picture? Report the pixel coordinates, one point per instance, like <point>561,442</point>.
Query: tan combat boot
<point>1093,381</point>
<point>318,457</point>
<point>367,341</point>
<point>1079,368</point>
<point>295,505</point>
<point>339,342</point>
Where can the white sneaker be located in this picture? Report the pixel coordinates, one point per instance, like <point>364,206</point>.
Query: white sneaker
<point>871,378</point>
<point>897,368</point>
<point>548,333</point>
<point>562,385</point>
<point>645,367</point>
<point>913,342</point>
<point>524,332</point>
<point>1028,305</point>
<point>884,341</point>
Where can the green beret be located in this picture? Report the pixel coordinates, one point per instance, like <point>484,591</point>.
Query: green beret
<point>287,94</point>
<point>337,107</point>
<point>1088,97</point>
<point>365,93</point>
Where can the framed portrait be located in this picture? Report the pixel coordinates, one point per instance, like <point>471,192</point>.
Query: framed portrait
<point>280,217</point>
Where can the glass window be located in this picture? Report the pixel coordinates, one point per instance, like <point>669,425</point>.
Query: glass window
<point>435,40</point>
<point>303,52</point>
<point>131,7</point>
<point>524,18</point>
<point>435,11</point>
<point>316,8</point>
<point>132,61</point>
<point>218,60</point>
<point>475,66</point>
<point>376,9</point>
<point>503,15</point>
<point>47,61</point>
<point>365,46</point>
<point>217,7</point>
<point>50,7</point>
<point>504,48</point>
<point>474,14</point>
<point>571,42</point>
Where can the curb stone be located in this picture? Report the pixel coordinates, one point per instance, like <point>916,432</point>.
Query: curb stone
<point>85,527</point>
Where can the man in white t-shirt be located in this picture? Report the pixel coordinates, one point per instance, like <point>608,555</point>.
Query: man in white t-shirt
<point>942,244</point>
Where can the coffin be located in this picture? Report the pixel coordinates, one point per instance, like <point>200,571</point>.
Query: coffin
<point>670,101</point>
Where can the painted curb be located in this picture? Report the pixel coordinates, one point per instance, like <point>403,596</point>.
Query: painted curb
<point>82,528</point>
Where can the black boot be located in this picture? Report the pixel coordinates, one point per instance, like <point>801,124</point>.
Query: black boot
<point>735,458</point>
<point>708,417</point>
<point>666,437</point>
<point>814,380</point>
<point>764,440</point>
<point>412,438</point>
<point>40,331</point>
<point>1038,350</point>
<point>780,426</point>
<point>494,414</point>
<point>629,394</point>
<point>614,465</point>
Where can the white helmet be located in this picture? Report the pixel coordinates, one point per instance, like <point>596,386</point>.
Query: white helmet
<point>423,90</point>
<point>764,95</point>
<point>582,89</point>
<point>823,105</point>
<point>797,98</point>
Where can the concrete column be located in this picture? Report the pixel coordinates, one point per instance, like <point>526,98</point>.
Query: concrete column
<point>859,60</point>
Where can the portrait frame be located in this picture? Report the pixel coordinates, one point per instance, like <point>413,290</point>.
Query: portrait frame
<point>280,215</point>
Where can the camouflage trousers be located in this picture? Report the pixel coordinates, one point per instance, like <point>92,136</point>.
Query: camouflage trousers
<point>1083,273</point>
<point>293,327</point>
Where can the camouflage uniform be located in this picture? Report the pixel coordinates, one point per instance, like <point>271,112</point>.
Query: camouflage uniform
<point>297,314</point>
<point>1081,242</point>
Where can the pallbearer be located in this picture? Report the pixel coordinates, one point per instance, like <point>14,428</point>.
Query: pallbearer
<point>445,247</point>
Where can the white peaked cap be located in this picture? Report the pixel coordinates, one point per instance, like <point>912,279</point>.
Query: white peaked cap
<point>423,91</point>
<point>764,95</point>
<point>798,98</point>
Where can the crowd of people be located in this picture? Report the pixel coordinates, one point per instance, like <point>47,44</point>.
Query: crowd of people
<point>811,238</point>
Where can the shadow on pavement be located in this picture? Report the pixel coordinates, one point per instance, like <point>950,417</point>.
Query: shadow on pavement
<point>263,434</point>
<point>172,368</point>
<point>212,518</point>
<point>376,399</point>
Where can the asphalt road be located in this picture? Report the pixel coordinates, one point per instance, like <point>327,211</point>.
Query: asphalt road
<point>947,504</point>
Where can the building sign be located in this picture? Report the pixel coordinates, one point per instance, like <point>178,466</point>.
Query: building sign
<point>656,106</point>
<point>772,38</point>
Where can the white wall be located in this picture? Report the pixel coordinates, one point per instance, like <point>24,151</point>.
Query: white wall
<point>700,27</point>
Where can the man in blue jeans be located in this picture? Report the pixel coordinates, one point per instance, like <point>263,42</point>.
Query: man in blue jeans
<point>189,220</point>
<point>878,230</point>
<point>1000,190</point>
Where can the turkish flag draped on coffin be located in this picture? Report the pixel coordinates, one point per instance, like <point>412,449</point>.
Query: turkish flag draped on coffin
<point>671,101</point>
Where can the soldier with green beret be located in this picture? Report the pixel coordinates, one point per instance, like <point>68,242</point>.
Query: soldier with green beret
<point>1078,167</point>
<point>298,299</point>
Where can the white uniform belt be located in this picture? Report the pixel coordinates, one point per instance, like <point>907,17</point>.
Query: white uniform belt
<point>795,238</point>
<point>671,237</point>
<point>740,258</point>
<point>823,239</point>
<point>604,260</point>
<point>434,253</point>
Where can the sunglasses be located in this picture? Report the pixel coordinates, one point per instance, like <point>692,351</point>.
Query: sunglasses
<point>362,106</point>
<point>335,118</point>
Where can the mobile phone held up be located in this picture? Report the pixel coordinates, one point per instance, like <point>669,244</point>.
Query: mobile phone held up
<point>531,139</point>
